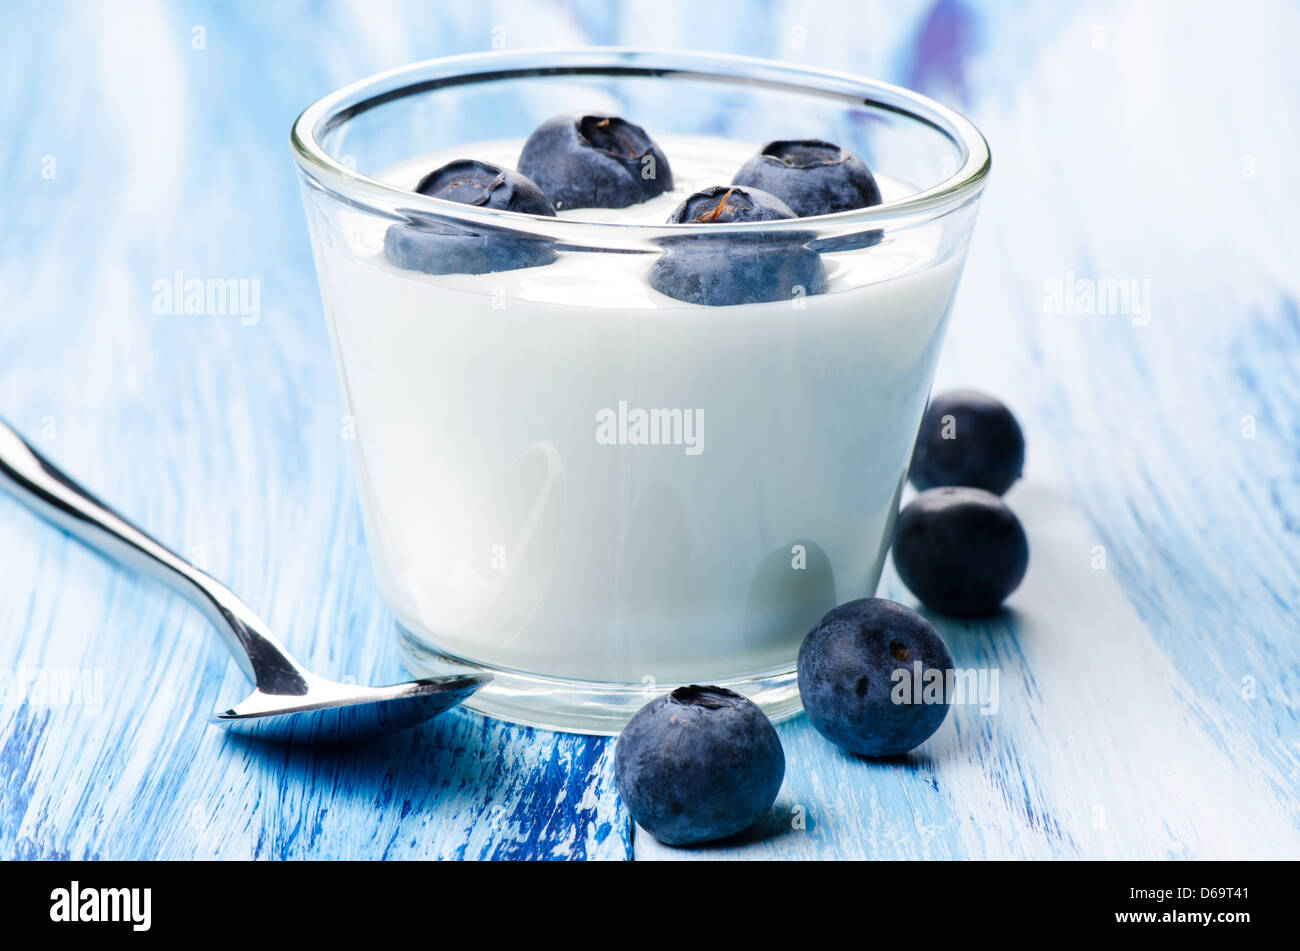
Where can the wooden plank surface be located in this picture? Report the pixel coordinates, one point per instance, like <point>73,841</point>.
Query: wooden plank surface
<point>1146,702</point>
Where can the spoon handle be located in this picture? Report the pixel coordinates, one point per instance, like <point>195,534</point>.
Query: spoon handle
<point>51,494</point>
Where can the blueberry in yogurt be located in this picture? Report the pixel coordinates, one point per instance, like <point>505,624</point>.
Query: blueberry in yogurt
<point>722,269</point>
<point>435,245</point>
<point>698,764</point>
<point>587,160</point>
<point>960,550</point>
<point>471,182</point>
<point>967,438</point>
<point>723,204</point>
<point>867,677</point>
<point>811,176</point>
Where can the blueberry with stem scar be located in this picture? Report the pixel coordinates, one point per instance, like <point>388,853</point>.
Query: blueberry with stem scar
<point>595,161</point>
<point>435,245</point>
<point>698,764</point>
<point>811,176</point>
<point>858,671</point>
<point>721,269</point>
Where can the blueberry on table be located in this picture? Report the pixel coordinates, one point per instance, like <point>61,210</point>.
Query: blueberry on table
<point>858,677</point>
<point>595,161</point>
<point>811,176</point>
<point>436,245</point>
<point>722,269</point>
<point>967,438</point>
<point>698,764</point>
<point>960,550</point>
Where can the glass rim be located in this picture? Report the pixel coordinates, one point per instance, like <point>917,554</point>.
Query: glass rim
<point>379,197</point>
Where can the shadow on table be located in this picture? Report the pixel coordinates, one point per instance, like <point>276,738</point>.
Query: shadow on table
<point>777,824</point>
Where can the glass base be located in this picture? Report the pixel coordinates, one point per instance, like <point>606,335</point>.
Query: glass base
<point>582,706</point>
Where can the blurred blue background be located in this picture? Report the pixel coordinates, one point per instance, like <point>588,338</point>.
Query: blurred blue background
<point>1151,142</point>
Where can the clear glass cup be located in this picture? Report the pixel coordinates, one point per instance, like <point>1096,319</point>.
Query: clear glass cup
<point>591,489</point>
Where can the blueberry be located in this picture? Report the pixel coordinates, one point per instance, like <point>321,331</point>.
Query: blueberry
<point>968,438</point>
<point>698,764</point>
<point>595,161</point>
<point>435,245</point>
<point>724,204</point>
<point>858,679</point>
<point>735,269</point>
<point>960,550</point>
<point>489,186</point>
<point>811,176</point>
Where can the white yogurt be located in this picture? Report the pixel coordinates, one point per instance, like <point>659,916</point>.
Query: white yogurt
<point>513,516</point>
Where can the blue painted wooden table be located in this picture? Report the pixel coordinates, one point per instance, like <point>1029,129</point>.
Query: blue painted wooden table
<point>1148,673</point>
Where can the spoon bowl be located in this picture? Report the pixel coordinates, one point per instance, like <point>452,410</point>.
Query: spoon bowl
<point>341,713</point>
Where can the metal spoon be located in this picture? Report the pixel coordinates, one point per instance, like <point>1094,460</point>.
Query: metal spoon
<point>289,703</point>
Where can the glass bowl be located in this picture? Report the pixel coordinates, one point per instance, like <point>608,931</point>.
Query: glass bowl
<point>594,489</point>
